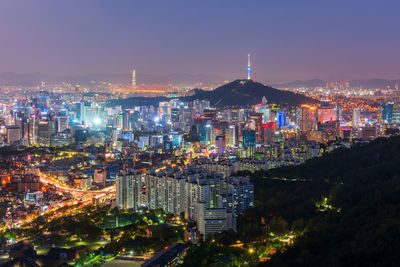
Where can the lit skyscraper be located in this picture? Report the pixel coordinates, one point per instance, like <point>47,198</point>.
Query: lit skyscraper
<point>133,79</point>
<point>248,68</point>
<point>356,119</point>
<point>308,118</point>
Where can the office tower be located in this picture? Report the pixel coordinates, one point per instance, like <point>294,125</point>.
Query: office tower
<point>175,112</point>
<point>249,138</point>
<point>176,139</point>
<point>281,116</point>
<point>220,144</point>
<point>327,114</point>
<point>205,133</point>
<point>62,123</point>
<point>88,113</point>
<point>133,79</point>
<point>356,118</point>
<point>387,112</point>
<point>308,118</point>
<point>396,113</point>
<point>230,136</point>
<point>268,131</point>
<point>164,111</point>
<point>267,113</point>
<point>126,119</point>
<point>201,105</point>
<point>144,141</point>
<point>129,188</point>
<point>44,133</point>
<point>13,134</point>
<point>396,86</point>
<point>156,140</point>
<point>116,134</point>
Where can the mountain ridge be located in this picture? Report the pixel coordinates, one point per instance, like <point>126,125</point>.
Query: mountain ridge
<point>372,83</point>
<point>34,79</point>
<point>238,93</point>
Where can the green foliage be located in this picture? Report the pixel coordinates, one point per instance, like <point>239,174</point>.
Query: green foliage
<point>279,225</point>
<point>363,184</point>
<point>211,254</point>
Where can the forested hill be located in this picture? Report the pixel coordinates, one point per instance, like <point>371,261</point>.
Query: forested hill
<point>357,192</point>
<point>248,92</point>
<point>239,93</point>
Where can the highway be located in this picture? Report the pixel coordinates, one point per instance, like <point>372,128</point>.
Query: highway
<point>80,199</point>
<point>51,181</point>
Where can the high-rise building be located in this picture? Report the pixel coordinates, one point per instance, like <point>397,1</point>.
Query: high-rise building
<point>164,111</point>
<point>62,123</point>
<point>129,188</point>
<point>230,136</point>
<point>89,113</point>
<point>308,118</point>
<point>200,105</point>
<point>281,117</point>
<point>327,114</point>
<point>220,144</point>
<point>387,112</point>
<point>396,113</point>
<point>44,133</point>
<point>203,196</point>
<point>13,134</point>
<point>126,120</point>
<point>133,79</point>
<point>356,118</point>
<point>242,192</point>
<point>205,133</point>
<point>249,138</point>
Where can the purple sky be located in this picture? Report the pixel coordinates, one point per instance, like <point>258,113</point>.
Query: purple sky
<point>288,40</point>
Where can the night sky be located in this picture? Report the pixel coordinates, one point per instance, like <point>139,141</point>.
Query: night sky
<point>288,40</point>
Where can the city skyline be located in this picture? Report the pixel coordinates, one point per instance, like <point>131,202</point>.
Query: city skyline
<point>199,133</point>
<point>298,41</point>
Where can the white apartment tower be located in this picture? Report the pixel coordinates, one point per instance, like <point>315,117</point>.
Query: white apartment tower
<point>129,188</point>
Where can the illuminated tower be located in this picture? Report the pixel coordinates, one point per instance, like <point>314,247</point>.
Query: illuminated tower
<point>248,68</point>
<point>356,119</point>
<point>133,78</point>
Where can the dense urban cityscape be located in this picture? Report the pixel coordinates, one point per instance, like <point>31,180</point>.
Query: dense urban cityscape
<point>64,151</point>
<point>126,168</point>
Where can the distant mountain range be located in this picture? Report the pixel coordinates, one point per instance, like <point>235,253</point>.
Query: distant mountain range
<point>367,84</point>
<point>238,93</point>
<point>34,79</point>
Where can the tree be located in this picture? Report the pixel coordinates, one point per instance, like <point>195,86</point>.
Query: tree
<point>279,225</point>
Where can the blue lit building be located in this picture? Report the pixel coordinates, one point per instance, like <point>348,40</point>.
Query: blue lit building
<point>176,139</point>
<point>281,117</point>
<point>205,133</point>
<point>387,112</point>
<point>249,138</point>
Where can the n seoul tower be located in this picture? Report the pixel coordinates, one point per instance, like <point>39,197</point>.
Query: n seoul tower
<point>248,67</point>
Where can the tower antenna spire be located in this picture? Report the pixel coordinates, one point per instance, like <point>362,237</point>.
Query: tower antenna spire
<point>248,67</point>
